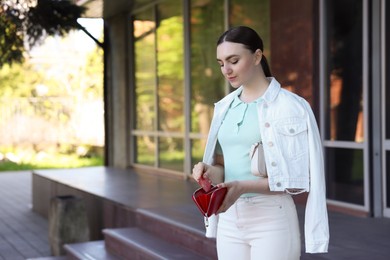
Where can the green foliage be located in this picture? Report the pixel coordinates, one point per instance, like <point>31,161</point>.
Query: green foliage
<point>94,66</point>
<point>65,156</point>
<point>22,19</point>
<point>18,80</point>
<point>42,103</point>
<point>25,79</point>
<point>53,162</point>
<point>170,48</point>
<point>11,40</point>
<point>52,17</point>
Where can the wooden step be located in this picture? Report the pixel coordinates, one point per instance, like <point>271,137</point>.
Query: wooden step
<point>135,243</point>
<point>178,228</point>
<point>88,250</point>
<point>49,258</point>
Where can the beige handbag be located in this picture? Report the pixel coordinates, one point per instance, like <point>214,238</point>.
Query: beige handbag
<point>258,167</point>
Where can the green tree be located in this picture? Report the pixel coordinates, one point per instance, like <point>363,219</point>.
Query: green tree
<point>19,80</point>
<point>33,20</point>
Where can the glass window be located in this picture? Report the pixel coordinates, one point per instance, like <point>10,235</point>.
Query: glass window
<point>387,72</point>
<point>170,67</point>
<point>345,175</point>
<point>171,153</point>
<point>388,179</point>
<point>145,70</point>
<point>255,14</point>
<point>386,105</point>
<point>145,150</point>
<point>344,111</point>
<point>207,83</point>
<point>197,149</point>
<point>159,74</point>
<point>159,89</point>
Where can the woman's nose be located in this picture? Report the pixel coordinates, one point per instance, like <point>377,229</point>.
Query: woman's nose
<point>226,70</point>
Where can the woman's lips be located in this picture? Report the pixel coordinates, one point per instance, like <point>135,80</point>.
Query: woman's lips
<point>231,78</point>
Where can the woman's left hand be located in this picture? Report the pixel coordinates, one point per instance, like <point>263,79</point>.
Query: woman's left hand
<point>234,191</point>
<point>236,188</point>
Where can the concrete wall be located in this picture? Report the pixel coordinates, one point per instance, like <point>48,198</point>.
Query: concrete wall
<point>117,91</point>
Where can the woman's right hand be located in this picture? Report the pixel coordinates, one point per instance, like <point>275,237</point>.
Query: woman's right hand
<point>213,173</point>
<point>200,170</point>
<point>199,173</point>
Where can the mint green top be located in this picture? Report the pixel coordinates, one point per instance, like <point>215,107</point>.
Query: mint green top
<point>239,130</point>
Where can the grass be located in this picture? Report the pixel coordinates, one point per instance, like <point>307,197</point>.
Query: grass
<point>56,161</point>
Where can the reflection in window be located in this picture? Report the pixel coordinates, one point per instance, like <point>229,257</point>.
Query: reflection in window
<point>387,73</point>
<point>255,14</point>
<point>171,153</point>
<point>387,179</point>
<point>159,74</point>
<point>197,148</point>
<point>386,109</point>
<point>145,146</point>
<point>207,83</point>
<point>345,63</point>
<point>145,70</point>
<point>170,66</point>
<point>345,175</point>
<point>159,80</point>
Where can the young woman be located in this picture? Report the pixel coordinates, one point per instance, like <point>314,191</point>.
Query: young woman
<point>258,218</point>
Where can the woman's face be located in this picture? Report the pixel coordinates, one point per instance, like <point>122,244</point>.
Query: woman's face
<point>238,64</point>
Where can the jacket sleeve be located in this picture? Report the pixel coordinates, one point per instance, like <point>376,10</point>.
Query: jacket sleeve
<point>316,215</point>
<point>211,222</point>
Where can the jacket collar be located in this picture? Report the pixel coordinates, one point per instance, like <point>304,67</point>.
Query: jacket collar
<point>270,94</point>
<point>272,91</point>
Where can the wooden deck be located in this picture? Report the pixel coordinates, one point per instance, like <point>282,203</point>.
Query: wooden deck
<point>113,195</point>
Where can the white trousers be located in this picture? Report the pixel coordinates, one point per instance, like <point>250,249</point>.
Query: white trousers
<point>263,227</point>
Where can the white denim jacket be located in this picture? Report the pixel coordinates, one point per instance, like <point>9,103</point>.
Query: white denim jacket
<point>293,155</point>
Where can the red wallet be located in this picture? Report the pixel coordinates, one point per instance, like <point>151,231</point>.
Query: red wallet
<point>209,202</point>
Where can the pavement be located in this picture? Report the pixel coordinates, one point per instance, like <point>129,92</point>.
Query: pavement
<point>24,234</point>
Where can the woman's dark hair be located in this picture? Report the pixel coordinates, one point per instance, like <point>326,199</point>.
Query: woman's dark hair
<point>250,39</point>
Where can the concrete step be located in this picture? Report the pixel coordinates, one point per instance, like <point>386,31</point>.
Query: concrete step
<point>135,243</point>
<point>88,250</point>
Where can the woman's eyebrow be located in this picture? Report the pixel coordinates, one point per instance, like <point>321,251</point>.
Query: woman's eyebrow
<point>229,57</point>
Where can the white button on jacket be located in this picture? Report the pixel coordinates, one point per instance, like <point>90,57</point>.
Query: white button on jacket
<point>288,126</point>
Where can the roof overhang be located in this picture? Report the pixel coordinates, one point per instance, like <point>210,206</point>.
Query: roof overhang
<point>94,8</point>
<point>105,8</point>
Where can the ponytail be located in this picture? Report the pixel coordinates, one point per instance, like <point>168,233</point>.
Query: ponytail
<point>250,39</point>
<point>265,66</point>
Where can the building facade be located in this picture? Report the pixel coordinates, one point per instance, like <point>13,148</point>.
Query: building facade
<point>162,79</point>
